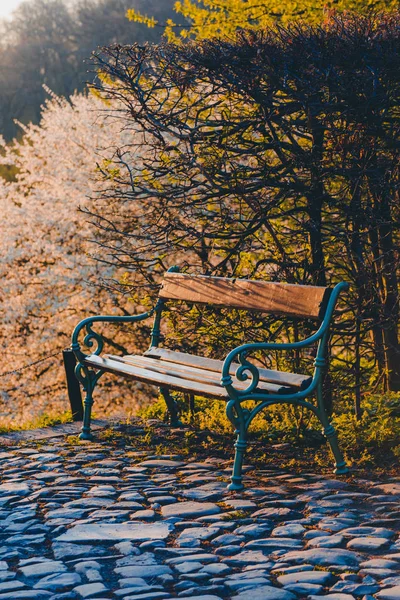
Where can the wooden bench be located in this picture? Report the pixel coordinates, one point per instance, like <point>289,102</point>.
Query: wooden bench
<point>235,379</point>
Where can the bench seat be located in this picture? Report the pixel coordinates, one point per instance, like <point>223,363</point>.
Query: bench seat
<point>281,378</point>
<point>192,374</point>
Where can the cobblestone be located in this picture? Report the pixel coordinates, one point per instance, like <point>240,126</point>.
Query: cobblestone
<point>94,521</point>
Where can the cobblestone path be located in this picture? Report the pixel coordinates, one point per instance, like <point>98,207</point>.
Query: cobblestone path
<point>98,522</point>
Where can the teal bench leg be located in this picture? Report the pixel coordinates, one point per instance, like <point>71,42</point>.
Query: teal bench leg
<point>87,415</point>
<point>88,378</point>
<point>236,478</point>
<point>331,435</point>
<point>340,464</point>
<point>238,416</point>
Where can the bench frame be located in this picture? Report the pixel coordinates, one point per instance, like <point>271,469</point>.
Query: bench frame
<point>239,416</point>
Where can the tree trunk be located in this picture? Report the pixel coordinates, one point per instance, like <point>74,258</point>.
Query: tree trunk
<point>390,283</point>
<point>391,302</point>
<point>315,201</point>
<point>376,308</point>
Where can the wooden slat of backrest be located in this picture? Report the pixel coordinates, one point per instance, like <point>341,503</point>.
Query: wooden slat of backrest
<point>267,297</point>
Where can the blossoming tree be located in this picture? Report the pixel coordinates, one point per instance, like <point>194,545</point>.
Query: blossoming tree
<point>49,279</point>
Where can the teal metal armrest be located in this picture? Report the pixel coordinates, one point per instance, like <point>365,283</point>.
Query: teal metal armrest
<point>92,336</point>
<point>242,352</point>
<point>242,417</point>
<point>87,376</point>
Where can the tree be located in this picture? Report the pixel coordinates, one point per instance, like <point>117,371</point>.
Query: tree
<point>49,281</point>
<point>38,49</point>
<point>274,155</point>
<point>49,42</point>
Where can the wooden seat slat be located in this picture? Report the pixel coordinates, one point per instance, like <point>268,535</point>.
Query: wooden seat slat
<point>191,373</point>
<point>305,301</point>
<point>277,377</point>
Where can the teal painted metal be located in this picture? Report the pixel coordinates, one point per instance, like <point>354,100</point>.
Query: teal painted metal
<point>89,377</point>
<point>155,336</point>
<point>241,418</point>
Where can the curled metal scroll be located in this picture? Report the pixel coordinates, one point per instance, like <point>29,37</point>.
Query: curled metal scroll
<point>87,377</point>
<point>247,371</point>
<point>82,374</point>
<point>93,338</point>
<point>238,416</point>
<point>231,413</point>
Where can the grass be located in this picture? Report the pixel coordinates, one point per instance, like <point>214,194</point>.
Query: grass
<point>44,420</point>
<point>371,444</point>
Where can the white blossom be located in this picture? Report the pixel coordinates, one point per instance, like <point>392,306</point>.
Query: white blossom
<point>48,278</point>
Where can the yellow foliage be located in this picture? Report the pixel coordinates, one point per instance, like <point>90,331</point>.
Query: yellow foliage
<point>364,442</point>
<point>137,17</point>
<point>105,78</point>
<point>106,167</point>
<point>204,19</point>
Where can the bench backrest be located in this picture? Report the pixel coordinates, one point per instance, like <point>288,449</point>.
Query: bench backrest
<point>305,301</point>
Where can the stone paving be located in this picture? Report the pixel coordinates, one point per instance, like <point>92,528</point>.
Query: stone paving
<point>94,521</point>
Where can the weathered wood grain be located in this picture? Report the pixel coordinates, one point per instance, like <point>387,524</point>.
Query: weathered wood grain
<point>276,298</point>
<point>169,377</point>
<point>277,377</point>
<point>191,373</point>
<point>159,379</point>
